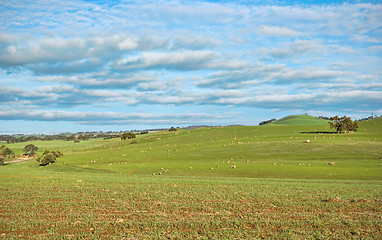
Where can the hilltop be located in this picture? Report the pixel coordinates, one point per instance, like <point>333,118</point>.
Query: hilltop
<point>300,120</point>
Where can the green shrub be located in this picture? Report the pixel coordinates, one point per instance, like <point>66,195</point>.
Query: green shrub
<point>5,154</point>
<point>127,135</point>
<point>48,157</point>
<point>30,150</point>
<point>172,129</point>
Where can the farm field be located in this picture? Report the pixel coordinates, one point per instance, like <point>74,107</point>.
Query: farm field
<point>220,183</point>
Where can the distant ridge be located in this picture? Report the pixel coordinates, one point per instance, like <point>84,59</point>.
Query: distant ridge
<point>299,120</point>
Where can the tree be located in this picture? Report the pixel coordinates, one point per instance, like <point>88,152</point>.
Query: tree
<point>5,154</point>
<point>172,129</point>
<point>72,137</point>
<point>127,135</point>
<point>30,149</point>
<point>343,124</point>
<point>48,157</point>
<point>84,137</point>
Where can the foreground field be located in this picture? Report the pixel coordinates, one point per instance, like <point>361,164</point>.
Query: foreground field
<point>211,183</point>
<point>54,203</point>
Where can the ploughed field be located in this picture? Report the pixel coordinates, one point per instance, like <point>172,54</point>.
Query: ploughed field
<point>232,182</point>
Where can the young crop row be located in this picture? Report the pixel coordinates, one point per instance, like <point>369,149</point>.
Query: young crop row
<point>104,205</point>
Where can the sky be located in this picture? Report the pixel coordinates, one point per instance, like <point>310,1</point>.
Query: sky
<point>70,66</point>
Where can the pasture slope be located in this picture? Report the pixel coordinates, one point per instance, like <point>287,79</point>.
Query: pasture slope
<point>300,120</point>
<point>262,182</point>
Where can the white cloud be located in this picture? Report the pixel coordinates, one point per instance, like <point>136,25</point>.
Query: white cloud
<point>376,48</point>
<point>81,55</point>
<point>296,48</point>
<point>102,117</point>
<point>180,60</point>
<point>127,44</point>
<point>278,31</point>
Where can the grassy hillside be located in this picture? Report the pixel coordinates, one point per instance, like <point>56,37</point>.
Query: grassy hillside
<point>281,188</point>
<point>270,151</point>
<point>300,120</point>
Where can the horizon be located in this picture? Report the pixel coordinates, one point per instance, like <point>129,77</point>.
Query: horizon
<point>87,66</point>
<point>10,133</point>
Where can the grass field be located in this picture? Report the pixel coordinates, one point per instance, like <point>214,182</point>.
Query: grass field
<point>210,183</point>
<point>299,120</point>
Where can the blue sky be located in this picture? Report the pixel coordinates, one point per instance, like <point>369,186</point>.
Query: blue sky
<point>68,66</point>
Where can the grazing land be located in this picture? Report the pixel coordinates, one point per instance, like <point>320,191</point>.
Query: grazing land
<point>230,182</point>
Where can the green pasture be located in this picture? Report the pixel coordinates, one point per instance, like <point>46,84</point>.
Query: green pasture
<point>299,120</point>
<point>269,151</point>
<point>261,182</point>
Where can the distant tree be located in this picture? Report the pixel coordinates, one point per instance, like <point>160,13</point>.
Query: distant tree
<point>127,135</point>
<point>84,137</point>
<point>30,149</point>
<point>5,154</point>
<point>267,121</point>
<point>343,124</point>
<point>172,129</point>
<point>72,137</point>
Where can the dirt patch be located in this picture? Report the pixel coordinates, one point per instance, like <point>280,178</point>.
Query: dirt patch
<point>20,159</point>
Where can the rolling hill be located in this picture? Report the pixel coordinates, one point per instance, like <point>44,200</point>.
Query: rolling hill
<point>300,120</point>
<point>268,151</point>
<point>260,182</point>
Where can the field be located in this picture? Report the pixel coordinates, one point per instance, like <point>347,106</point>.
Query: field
<point>220,183</point>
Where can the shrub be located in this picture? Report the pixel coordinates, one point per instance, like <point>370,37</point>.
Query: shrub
<point>5,154</point>
<point>172,129</point>
<point>127,135</point>
<point>48,157</point>
<point>30,149</point>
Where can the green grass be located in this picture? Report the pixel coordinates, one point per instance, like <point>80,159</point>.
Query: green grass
<point>282,187</point>
<point>299,120</point>
<point>52,202</point>
<point>270,151</point>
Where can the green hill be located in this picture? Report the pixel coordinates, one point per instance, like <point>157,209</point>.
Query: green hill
<point>270,151</point>
<point>299,120</point>
<point>261,182</point>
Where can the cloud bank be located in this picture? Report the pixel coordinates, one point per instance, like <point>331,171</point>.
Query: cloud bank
<point>123,64</point>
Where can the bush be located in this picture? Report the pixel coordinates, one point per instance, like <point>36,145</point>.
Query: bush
<point>30,150</point>
<point>5,154</point>
<point>48,157</point>
<point>127,135</point>
<point>172,129</point>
